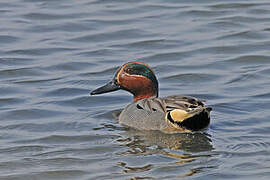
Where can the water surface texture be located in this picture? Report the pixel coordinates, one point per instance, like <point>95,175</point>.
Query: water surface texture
<point>53,53</point>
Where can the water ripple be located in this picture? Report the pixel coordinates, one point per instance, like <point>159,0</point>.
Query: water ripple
<point>45,16</point>
<point>8,39</point>
<point>117,35</point>
<point>40,51</point>
<point>28,114</point>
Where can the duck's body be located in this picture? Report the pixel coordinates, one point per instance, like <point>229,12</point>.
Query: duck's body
<point>148,112</point>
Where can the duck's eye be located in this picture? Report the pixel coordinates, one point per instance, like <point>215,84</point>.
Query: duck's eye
<point>127,70</point>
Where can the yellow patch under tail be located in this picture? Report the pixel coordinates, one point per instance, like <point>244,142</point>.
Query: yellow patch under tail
<point>177,115</point>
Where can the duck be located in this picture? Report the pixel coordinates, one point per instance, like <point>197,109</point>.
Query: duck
<point>171,114</point>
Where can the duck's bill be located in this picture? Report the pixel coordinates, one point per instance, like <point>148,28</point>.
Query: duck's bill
<point>109,87</point>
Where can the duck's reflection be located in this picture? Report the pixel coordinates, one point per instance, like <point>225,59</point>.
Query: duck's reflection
<point>188,142</point>
<point>184,148</point>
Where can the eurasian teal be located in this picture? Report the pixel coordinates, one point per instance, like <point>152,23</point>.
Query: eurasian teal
<point>170,114</point>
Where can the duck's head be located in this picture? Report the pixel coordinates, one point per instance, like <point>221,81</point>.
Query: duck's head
<point>135,77</point>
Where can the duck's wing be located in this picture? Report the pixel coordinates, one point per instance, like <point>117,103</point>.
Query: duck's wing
<point>185,103</point>
<point>180,111</point>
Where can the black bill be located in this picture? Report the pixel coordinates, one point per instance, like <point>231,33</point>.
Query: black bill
<point>109,87</point>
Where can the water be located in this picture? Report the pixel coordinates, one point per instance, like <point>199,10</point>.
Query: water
<point>53,53</point>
